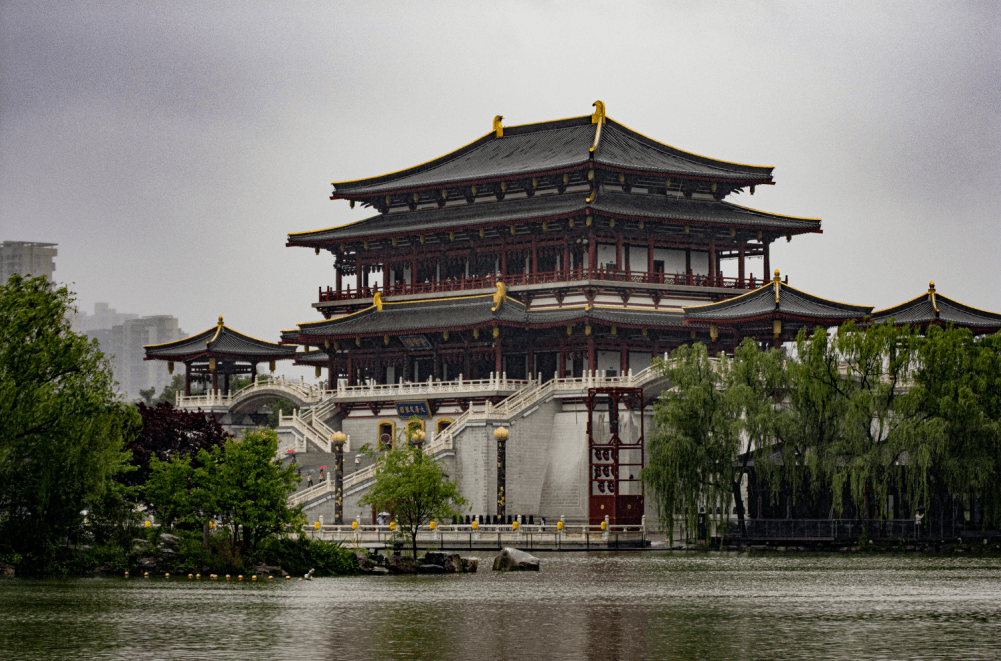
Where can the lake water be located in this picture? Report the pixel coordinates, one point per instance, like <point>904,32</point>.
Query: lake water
<point>580,606</point>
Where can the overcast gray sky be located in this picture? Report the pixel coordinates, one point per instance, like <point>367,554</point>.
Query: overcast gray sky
<point>168,148</point>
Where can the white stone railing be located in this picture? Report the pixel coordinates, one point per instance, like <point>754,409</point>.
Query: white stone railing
<point>313,492</point>
<point>497,383</point>
<point>523,400</point>
<point>299,390</point>
<point>309,428</point>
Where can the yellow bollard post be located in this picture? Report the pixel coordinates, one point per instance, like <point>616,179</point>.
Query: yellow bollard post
<point>354,525</point>
<point>239,577</point>
<point>559,525</point>
<point>514,525</point>
<point>604,525</point>
<point>190,576</point>
<point>433,524</point>
<point>126,574</point>
<point>475,524</point>
<point>166,575</point>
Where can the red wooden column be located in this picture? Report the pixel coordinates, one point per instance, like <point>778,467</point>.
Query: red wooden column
<point>331,374</point>
<point>215,377</point>
<point>561,367</point>
<point>566,256</point>
<point>592,362</point>
<point>592,252</point>
<point>535,254</point>
<point>385,276</point>
<point>359,270</point>
<point>624,360</point>
<point>741,246</point>
<point>619,261</point>
<point>649,254</point>
<point>351,370</point>
<point>712,262</point>
<point>498,357</point>
<point>187,379</point>
<point>503,257</point>
<point>337,270</point>
<point>768,266</point>
<point>413,268</point>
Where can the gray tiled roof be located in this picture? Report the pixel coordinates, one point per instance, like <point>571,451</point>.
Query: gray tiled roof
<point>417,316</point>
<point>471,312</point>
<point>920,311</point>
<point>549,146</point>
<point>761,302</point>
<point>624,205</point>
<point>221,342</point>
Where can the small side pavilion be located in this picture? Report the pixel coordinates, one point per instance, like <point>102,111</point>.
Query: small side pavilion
<point>775,311</point>
<point>218,351</point>
<point>933,309</point>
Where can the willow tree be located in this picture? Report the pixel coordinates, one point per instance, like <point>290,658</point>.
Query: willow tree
<point>693,455</point>
<point>958,389</point>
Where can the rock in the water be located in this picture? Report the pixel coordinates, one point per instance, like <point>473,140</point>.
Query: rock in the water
<point>377,571</point>
<point>148,563</point>
<point>138,543</point>
<point>169,540</point>
<point>268,570</point>
<point>363,562</point>
<point>430,569</point>
<point>510,559</point>
<point>452,562</point>
<point>401,564</point>
<point>6,571</point>
<point>469,565</point>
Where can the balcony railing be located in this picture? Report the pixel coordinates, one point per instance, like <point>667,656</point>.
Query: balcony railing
<point>548,277</point>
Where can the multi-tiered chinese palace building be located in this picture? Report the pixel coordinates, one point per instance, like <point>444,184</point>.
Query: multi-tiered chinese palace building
<point>545,249</point>
<point>512,294</point>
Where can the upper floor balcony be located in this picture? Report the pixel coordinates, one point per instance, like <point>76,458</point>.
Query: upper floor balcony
<point>569,277</point>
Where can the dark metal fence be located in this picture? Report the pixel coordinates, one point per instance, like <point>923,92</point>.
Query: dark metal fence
<point>835,529</point>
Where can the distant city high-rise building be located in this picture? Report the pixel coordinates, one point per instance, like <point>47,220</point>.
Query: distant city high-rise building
<point>27,258</point>
<point>123,344</point>
<point>104,318</point>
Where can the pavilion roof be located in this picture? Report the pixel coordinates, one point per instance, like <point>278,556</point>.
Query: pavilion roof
<point>775,300</point>
<point>417,316</point>
<point>934,308</point>
<point>220,342</point>
<point>547,207</point>
<point>467,312</point>
<point>548,147</point>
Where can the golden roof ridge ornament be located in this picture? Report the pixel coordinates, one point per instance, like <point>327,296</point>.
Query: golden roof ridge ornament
<point>597,118</point>
<point>377,301</point>
<point>499,296</point>
<point>218,329</point>
<point>778,284</point>
<point>498,127</point>
<point>931,292</point>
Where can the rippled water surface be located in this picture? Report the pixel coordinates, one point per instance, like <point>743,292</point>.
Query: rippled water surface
<point>594,606</point>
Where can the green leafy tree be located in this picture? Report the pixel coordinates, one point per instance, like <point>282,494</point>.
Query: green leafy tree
<point>958,387</point>
<point>282,406</point>
<point>413,485</point>
<point>241,483</point>
<point>62,427</point>
<point>693,457</point>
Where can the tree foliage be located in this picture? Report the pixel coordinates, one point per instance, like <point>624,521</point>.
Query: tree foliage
<point>240,483</point>
<point>413,486</point>
<point>167,431</point>
<point>62,427</point>
<point>848,418</point>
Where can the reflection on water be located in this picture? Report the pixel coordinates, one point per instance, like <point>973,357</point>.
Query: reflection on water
<point>594,606</point>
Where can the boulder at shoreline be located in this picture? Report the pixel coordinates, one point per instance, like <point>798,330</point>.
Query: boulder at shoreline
<point>510,559</point>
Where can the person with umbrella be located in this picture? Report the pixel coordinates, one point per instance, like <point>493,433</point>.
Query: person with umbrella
<point>309,477</point>
<point>322,468</point>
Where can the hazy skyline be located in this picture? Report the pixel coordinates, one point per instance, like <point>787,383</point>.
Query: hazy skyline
<point>169,148</point>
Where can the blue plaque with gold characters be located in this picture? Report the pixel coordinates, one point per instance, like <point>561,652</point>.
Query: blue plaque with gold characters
<point>419,408</point>
<point>416,343</point>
